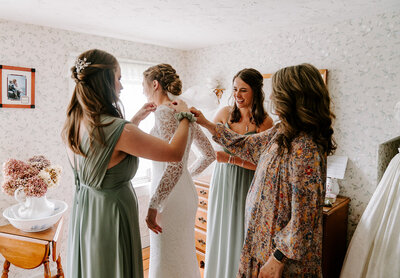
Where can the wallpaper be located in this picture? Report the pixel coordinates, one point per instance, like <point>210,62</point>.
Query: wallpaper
<point>362,58</point>
<point>361,55</point>
<point>27,132</point>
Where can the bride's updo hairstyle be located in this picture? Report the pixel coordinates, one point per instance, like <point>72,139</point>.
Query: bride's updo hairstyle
<point>166,75</point>
<point>94,95</point>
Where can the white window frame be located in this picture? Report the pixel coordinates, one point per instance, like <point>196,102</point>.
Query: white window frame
<point>132,77</point>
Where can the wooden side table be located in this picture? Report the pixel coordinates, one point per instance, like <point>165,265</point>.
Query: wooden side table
<point>30,250</point>
<point>334,242</point>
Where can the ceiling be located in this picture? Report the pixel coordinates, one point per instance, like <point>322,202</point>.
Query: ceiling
<point>187,24</point>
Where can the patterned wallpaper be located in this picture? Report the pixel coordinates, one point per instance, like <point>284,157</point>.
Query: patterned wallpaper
<point>26,132</point>
<point>362,57</point>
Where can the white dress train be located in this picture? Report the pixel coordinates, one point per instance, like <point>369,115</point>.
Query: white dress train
<point>173,253</point>
<point>374,250</point>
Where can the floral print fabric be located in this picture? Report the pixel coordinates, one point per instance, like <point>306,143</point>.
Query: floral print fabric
<point>284,203</point>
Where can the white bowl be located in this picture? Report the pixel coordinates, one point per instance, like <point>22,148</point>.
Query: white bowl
<point>35,225</point>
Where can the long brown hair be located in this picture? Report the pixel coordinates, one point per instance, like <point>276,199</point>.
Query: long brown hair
<point>254,79</point>
<point>302,102</point>
<point>94,95</point>
<point>166,75</point>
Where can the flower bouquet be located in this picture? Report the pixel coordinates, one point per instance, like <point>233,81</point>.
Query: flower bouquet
<point>34,177</point>
<point>28,183</point>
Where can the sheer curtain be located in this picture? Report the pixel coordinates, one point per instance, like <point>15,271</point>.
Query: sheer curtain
<point>132,98</point>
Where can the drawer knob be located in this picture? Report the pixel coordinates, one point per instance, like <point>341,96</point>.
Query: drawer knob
<point>202,192</point>
<point>203,203</point>
<point>202,264</point>
<point>202,220</point>
<point>201,241</point>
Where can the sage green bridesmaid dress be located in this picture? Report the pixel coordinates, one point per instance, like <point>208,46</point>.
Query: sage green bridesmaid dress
<point>104,235</point>
<point>225,218</point>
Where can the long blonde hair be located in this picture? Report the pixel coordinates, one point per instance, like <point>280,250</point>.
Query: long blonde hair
<point>94,95</point>
<point>302,102</point>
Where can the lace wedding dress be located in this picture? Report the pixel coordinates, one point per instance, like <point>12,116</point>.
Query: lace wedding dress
<point>173,253</point>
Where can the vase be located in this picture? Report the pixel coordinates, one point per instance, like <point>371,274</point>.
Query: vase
<point>33,207</point>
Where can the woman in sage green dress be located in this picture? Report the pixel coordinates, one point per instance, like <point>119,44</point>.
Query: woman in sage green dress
<point>232,177</point>
<point>104,236</point>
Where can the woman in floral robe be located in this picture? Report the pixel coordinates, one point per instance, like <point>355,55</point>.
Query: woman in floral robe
<point>284,203</point>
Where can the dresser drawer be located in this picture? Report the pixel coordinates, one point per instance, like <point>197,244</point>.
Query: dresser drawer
<point>200,238</point>
<point>200,259</point>
<point>203,203</point>
<point>202,191</point>
<point>201,219</point>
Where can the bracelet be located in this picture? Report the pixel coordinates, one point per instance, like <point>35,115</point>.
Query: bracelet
<point>179,116</point>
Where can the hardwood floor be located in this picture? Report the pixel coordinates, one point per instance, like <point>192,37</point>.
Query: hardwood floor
<point>146,259</point>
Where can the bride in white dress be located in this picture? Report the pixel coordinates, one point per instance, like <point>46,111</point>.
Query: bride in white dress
<point>173,203</point>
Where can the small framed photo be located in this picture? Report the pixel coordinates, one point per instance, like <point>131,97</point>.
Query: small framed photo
<point>17,87</point>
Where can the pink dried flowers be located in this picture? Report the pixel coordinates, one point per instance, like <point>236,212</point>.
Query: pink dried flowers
<point>34,176</point>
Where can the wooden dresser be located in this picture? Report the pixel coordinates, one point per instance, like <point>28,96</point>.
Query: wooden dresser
<point>202,187</point>
<point>334,241</point>
<point>334,231</point>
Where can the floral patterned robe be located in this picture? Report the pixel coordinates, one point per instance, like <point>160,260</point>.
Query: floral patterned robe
<point>284,203</point>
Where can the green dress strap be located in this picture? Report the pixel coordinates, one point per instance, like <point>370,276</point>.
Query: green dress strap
<point>93,168</point>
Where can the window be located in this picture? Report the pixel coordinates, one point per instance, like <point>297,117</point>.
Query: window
<point>132,98</point>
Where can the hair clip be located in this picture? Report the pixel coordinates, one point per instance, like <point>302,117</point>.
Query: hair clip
<point>81,64</point>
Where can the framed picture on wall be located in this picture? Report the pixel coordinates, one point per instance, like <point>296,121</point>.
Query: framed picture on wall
<point>17,87</point>
<point>268,87</point>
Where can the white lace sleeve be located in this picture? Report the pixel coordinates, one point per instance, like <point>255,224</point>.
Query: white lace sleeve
<point>167,126</point>
<point>206,149</point>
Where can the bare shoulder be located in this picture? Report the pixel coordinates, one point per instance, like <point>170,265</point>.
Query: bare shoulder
<point>267,124</point>
<point>222,114</point>
<point>129,132</point>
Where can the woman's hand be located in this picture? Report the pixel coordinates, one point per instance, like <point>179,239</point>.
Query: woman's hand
<point>151,221</point>
<point>179,106</point>
<point>146,109</point>
<point>271,269</point>
<point>200,119</point>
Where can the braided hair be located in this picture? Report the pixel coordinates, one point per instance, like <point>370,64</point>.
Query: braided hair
<point>166,75</point>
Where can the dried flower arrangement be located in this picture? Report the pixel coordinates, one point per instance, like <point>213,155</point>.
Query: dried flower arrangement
<point>35,176</point>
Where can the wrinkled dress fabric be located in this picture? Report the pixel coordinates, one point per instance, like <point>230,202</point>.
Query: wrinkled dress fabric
<point>225,219</point>
<point>104,236</point>
<point>374,250</point>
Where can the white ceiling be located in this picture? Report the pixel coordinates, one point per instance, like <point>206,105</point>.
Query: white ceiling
<point>187,24</point>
